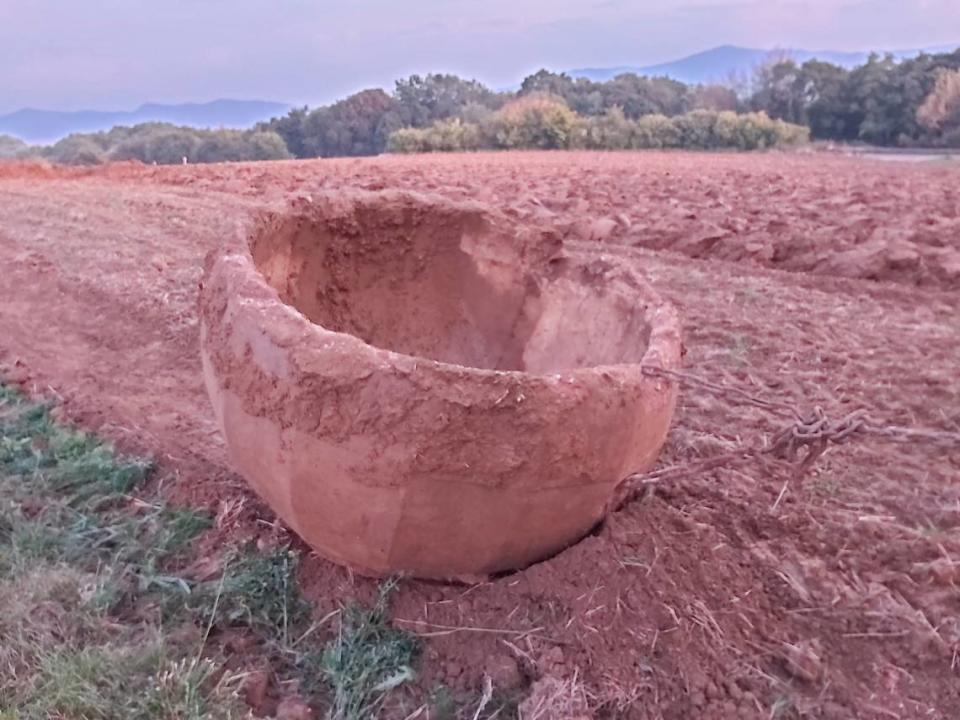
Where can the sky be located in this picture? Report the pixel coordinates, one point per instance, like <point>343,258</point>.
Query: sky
<point>117,54</point>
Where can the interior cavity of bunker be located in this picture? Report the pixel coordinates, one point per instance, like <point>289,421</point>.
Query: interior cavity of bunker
<point>449,285</point>
<point>425,387</point>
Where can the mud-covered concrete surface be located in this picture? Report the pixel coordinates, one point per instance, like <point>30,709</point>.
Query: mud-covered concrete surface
<point>424,387</point>
<point>737,592</point>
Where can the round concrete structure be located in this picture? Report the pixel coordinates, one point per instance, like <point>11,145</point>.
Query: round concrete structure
<point>423,387</point>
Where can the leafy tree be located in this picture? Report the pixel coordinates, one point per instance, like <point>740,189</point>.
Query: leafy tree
<point>713,97</point>
<point>549,83</point>
<point>544,122</point>
<point>780,91</point>
<point>240,145</point>
<point>824,94</point>
<point>266,145</point>
<point>656,132</point>
<point>638,96</point>
<point>290,128</point>
<point>942,105</point>
<point>536,121</point>
<point>633,94</point>
<point>450,135</point>
<point>877,102</point>
<point>11,147</point>
<point>940,112</point>
<point>610,131</point>
<point>697,129</point>
<point>77,149</point>
<point>162,145</point>
<point>357,125</point>
<point>424,100</point>
<point>475,113</point>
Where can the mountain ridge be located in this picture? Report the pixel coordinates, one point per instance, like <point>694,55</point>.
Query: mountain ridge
<point>38,126</point>
<point>725,61</point>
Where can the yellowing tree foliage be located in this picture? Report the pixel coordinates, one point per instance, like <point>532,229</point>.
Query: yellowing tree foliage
<point>941,109</point>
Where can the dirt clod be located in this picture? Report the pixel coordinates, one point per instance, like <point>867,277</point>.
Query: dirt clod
<point>293,708</point>
<point>803,660</point>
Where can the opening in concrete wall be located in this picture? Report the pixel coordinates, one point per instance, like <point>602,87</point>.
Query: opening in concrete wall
<point>444,282</point>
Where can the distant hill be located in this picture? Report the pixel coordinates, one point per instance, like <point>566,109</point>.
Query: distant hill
<point>46,126</point>
<point>720,63</point>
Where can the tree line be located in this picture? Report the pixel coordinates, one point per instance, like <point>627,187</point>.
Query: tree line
<point>546,122</point>
<point>160,143</point>
<point>905,103</point>
<point>913,102</point>
<point>441,111</point>
<point>883,102</point>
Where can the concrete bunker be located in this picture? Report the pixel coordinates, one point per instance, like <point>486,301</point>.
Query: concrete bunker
<point>422,386</point>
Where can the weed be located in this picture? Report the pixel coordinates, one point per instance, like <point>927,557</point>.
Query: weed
<point>367,659</point>
<point>824,486</point>
<point>177,528</point>
<point>443,705</point>
<point>257,591</point>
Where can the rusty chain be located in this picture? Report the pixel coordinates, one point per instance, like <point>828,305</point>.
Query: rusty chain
<point>801,441</point>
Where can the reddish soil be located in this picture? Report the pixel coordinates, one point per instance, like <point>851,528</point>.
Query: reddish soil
<point>734,592</point>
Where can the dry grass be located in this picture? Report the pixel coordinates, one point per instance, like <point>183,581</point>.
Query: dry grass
<point>98,621</point>
<point>81,563</point>
<point>551,698</point>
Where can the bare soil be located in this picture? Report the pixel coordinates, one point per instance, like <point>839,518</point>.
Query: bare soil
<point>734,592</point>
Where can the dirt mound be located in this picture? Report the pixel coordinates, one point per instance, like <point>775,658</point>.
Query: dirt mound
<point>31,169</point>
<point>925,257</point>
<point>45,170</point>
<point>455,395</point>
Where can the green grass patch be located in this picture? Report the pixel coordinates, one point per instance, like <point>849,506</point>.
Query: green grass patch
<point>98,620</point>
<point>80,559</point>
<point>257,591</point>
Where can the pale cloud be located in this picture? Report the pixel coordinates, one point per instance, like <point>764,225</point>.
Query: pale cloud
<point>119,53</point>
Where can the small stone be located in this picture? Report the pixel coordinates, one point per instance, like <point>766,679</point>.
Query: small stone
<point>255,689</point>
<point>944,572</point>
<point>803,660</point>
<point>503,671</point>
<point>902,256</point>
<point>733,690</point>
<point>552,657</point>
<point>602,229</point>
<point>293,708</point>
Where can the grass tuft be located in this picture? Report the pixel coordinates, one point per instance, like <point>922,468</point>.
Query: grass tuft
<point>257,591</point>
<point>368,658</point>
